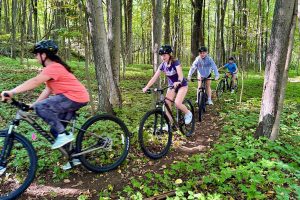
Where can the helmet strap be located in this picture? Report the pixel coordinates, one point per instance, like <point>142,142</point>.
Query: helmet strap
<point>43,61</point>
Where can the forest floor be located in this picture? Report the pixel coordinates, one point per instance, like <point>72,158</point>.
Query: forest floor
<point>83,182</point>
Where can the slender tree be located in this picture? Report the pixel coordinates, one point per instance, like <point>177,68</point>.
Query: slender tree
<point>13,28</point>
<point>156,31</point>
<point>276,62</point>
<point>197,39</point>
<point>167,22</point>
<point>100,52</point>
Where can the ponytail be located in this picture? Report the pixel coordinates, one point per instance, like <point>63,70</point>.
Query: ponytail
<point>57,59</point>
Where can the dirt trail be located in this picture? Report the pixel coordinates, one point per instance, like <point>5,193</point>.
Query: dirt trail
<point>81,181</point>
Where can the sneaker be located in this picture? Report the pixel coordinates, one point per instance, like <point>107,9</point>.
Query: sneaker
<point>164,128</point>
<point>75,162</point>
<point>2,170</point>
<point>232,91</point>
<point>209,102</point>
<point>188,118</point>
<point>62,139</point>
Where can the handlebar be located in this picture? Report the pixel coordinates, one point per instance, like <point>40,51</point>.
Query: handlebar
<point>201,79</point>
<point>161,90</point>
<point>20,105</point>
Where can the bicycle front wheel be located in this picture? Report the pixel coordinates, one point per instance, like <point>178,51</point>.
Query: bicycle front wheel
<point>186,129</point>
<point>220,88</point>
<point>201,105</point>
<point>155,136</point>
<point>17,166</point>
<point>103,143</point>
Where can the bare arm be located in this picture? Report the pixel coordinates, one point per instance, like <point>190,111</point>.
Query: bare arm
<point>152,80</point>
<point>27,85</point>
<point>45,94</point>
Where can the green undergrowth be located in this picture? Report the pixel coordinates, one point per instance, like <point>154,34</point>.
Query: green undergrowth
<point>237,167</point>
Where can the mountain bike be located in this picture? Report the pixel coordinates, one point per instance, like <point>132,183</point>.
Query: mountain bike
<point>226,85</point>
<point>201,97</point>
<point>155,130</point>
<point>102,144</point>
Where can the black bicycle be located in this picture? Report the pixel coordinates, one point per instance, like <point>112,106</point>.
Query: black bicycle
<point>155,130</point>
<point>226,85</point>
<point>102,144</point>
<point>201,97</point>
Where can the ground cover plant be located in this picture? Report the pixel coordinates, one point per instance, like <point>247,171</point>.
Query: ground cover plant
<point>236,166</point>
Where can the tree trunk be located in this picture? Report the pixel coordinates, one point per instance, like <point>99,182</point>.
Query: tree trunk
<point>114,42</point>
<point>223,11</point>
<point>275,130</point>
<point>176,29</point>
<point>107,89</point>
<point>167,22</point>
<point>276,61</point>
<point>128,47</point>
<point>233,28</point>
<point>156,31</point>
<point>6,17</point>
<point>29,24</point>
<point>196,40</point>
<point>35,19</point>
<point>100,52</point>
<point>23,29</point>
<point>0,16</point>
<point>13,28</point>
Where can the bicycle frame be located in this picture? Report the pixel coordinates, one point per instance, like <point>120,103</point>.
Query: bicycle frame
<point>162,102</point>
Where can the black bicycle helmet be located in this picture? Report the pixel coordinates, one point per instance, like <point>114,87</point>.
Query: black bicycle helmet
<point>45,46</point>
<point>231,58</point>
<point>203,49</point>
<point>165,49</point>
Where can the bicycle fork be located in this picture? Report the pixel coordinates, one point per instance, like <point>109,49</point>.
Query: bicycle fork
<point>6,150</point>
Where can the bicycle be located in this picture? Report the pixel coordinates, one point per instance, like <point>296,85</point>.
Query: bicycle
<point>225,85</point>
<point>155,131</point>
<point>102,144</point>
<point>201,97</point>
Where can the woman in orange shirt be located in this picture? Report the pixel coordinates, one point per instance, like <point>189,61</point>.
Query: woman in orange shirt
<point>68,93</point>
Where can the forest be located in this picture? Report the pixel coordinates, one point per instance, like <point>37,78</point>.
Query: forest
<point>244,146</point>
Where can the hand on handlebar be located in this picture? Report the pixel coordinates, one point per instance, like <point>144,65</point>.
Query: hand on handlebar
<point>145,89</point>
<point>6,95</point>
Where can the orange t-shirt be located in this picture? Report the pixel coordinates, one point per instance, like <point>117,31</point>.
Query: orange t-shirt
<point>64,82</point>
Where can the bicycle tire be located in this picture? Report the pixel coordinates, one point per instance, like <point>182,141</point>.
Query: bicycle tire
<point>109,137</point>
<point>14,184</point>
<point>200,106</point>
<point>152,133</point>
<point>220,88</point>
<point>186,129</point>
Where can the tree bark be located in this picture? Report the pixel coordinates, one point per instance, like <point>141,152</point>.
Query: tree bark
<point>114,42</point>
<point>275,129</point>
<point>100,52</point>
<point>23,29</point>
<point>6,17</point>
<point>13,28</point>
<point>276,61</point>
<point>128,22</point>
<point>156,31</point>
<point>0,16</point>
<point>167,22</point>
<point>197,38</point>
<point>35,19</point>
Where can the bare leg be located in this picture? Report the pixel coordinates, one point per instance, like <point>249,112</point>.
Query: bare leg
<point>179,99</point>
<point>170,95</point>
<point>208,89</point>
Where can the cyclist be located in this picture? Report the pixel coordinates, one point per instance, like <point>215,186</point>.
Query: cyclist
<point>172,68</point>
<point>204,64</point>
<point>232,69</point>
<point>68,93</point>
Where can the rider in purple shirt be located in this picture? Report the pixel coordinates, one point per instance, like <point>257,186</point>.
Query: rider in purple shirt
<point>173,71</point>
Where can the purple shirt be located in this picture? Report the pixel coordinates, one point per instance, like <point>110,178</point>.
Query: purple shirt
<point>171,72</point>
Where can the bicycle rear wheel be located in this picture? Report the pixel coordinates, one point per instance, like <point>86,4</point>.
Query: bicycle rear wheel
<point>155,136</point>
<point>186,129</point>
<point>103,142</point>
<point>19,167</point>
<point>220,88</point>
